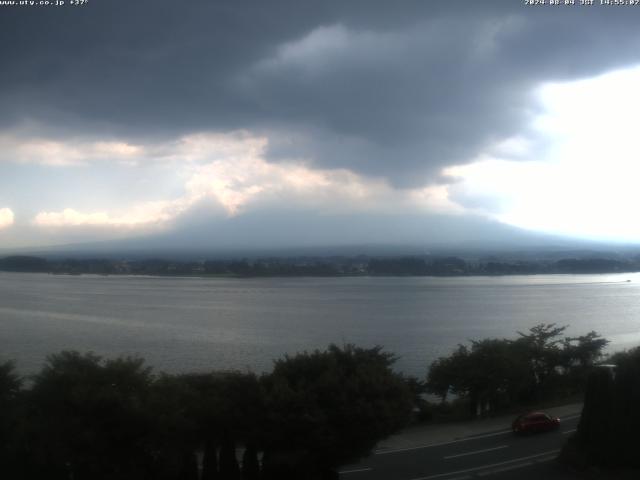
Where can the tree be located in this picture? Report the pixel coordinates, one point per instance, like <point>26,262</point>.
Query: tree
<point>229,468</point>
<point>499,372</point>
<point>327,408</point>
<point>10,393</point>
<point>442,376</point>
<point>89,417</point>
<point>209,411</point>
<point>495,374</point>
<point>541,346</point>
<point>583,351</point>
<point>189,467</point>
<point>489,373</point>
<point>10,382</point>
<point>210,462</point>
<point>174,433</point>
<point>250,464</point>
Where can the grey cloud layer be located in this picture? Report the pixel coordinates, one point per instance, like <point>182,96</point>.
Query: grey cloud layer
<point>397,89</point>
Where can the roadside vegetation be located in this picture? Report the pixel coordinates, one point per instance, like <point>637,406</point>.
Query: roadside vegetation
<point>84,417</point>
<point>496,375</point>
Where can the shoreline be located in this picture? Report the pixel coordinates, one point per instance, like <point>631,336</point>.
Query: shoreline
<point>346,275</point>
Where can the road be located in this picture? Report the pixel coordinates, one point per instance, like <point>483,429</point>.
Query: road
<point>487,454</point>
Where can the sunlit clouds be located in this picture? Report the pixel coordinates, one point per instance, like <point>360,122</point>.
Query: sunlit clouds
<point>6,218</point>
<point>20,147</point>
<point>230,171</point>
<point>139,215</point>
<point>582,181</point>
<point>62,153</point>
<point>585,183</point>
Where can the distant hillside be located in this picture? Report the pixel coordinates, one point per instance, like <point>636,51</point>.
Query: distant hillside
<point>255,235</point>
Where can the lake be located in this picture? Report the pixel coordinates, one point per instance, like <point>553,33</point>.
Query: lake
<point>185,324</point>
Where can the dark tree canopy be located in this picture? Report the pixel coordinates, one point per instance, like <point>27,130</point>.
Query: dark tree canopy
<point>500,372</point>
<point>89,418</point>
<point>335,405</point>
<point>10,382</point>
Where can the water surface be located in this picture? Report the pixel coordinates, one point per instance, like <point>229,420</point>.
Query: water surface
<point>181,324</point>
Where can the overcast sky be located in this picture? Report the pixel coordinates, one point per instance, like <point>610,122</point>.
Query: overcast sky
<point>375,120</point>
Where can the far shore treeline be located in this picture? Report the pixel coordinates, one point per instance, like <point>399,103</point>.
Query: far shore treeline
<point>361,265</point>
<point>85,417</point>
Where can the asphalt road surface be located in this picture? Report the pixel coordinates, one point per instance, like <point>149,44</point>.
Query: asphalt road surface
<point>499,454</point>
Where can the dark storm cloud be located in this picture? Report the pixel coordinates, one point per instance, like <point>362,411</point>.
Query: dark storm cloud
<point>398,89</point>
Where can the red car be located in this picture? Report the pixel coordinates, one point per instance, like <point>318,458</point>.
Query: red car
<point>533,422</point>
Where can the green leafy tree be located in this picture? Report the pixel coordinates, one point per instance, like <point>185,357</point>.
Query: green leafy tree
<point>579,354</point>
<point>583,351</point>
<point>229,468</point>
<point>327,408</point>
<point>210,462</point>
<point>89,417</point>
<point>489,373</point>
<point>250,464</point>
<point>495,374</point>
<point>10,383</point>
<point>189,467</point>
<point>445,372</point>
<point>542,347</point>
<point>499,372</point>
<point>213,411</point>
<point>174,433</point>
<point>10,418</point>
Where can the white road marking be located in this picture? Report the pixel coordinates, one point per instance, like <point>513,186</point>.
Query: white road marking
<point>493,471</point>
<point>475,452</point>
<point>485,467</point>
<point>485,435</point>
<point>429,445</point>
<point>367,469</point>
<point>569,431</point>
